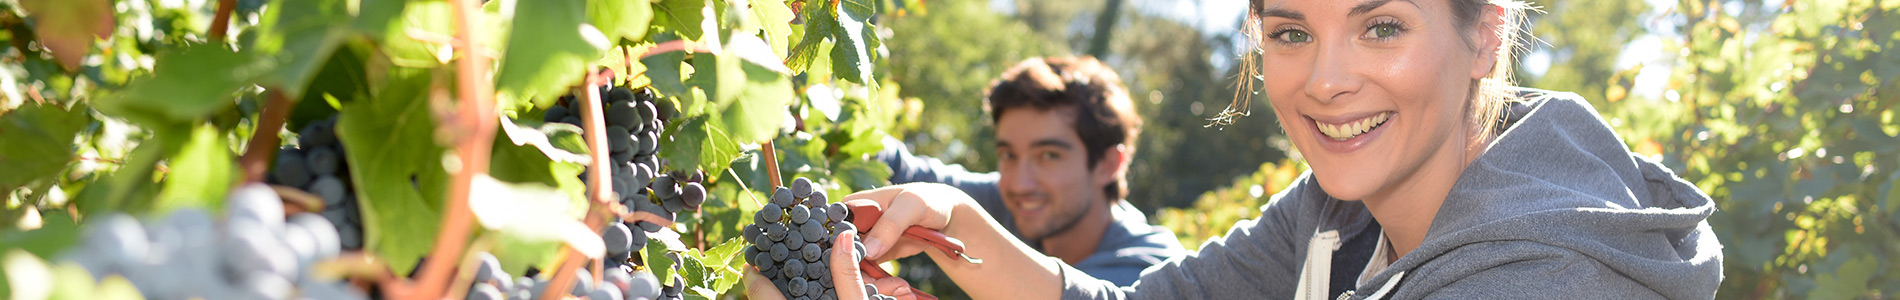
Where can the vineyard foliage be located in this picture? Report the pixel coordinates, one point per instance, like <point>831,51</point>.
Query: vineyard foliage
<point>135,106</point>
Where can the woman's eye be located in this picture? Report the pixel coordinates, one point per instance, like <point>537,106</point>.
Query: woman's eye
<point>1383,31</point>
<point>1291,36</point>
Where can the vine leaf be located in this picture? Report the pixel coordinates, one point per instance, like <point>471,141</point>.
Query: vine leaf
<point>551,53</point>
<point>67,27</point>
<point>210,174</point>
<point>187,84</point>
<point>38,142</point>
<point>533,213</point>
<point>390,140</point>
<point>852,57</point>
<point>620,19</point>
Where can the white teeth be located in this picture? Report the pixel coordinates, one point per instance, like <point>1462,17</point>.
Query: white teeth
<point>1341,132</point>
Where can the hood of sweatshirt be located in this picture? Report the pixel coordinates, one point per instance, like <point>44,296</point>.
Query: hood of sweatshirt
<point>1560,189</point>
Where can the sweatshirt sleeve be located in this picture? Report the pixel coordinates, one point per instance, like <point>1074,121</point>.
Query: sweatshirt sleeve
<point>1256,259</point>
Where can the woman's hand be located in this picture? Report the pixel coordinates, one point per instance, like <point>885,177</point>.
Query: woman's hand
<point>847,279</point>
<point>929,205</point>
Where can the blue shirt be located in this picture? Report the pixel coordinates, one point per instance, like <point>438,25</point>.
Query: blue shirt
<point>1128,246</point>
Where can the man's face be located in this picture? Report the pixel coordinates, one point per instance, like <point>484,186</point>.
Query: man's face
<point>1047,181</point>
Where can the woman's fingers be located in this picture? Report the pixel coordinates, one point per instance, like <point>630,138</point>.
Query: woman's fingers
<point>845,277</point>
<point>894,287</point>
<point>758,287</point>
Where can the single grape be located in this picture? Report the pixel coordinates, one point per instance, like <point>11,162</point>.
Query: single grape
<point>794,239</point>
<point>693,194</point>
<point>644,285</point>
<point>322,161</point>
<point>674,204</point>
<point>330,189</point>
<point>618,140</point>
<point>818,198</point>
<point>780,252</point>
<point>349,235</point>
<point>783,197</point>
<point>771,213</point>
<point>290,168</point>
<point>752,233</point>
<point>650,141</point>
<point>623,113</point>
<point>639,238</point>
<point>120,236</point>
<point>799,214</point>
<point>250,247</point>
<point>678,285</point>
<point>555,114</point>
<point>605,293</point>
<point>801,188</point>
<point>843,227</point>
<point>837,211</point>
<point>255,202</point>
<point>813,288</point>
<point>321,232</point>
<point>318,134</point>
<point>813,232</point>
<point>664,187</point>
<point>583,284</point>
<point>484,292</point>
<point>618,237</point>
<point>818,214</point>
<point>810,252</point>
<point>797,285</point>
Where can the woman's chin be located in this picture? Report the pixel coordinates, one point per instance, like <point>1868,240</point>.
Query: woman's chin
<point>1349,186</point>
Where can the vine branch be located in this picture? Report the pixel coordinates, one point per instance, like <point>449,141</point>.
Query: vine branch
<point>476,116</point>
<point>257,153</point>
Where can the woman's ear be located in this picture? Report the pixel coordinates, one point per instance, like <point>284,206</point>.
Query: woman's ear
<point>1486,34</point>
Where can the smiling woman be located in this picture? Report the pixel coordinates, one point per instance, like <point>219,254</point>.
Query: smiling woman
<point>1432,176</point>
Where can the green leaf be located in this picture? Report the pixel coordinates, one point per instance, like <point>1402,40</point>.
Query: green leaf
<point>342,79</point>
<point>695,143</point>
<point>667,70</point>
<point>187,85</point>
<point>550,53</point>
<point>301,36</point>
<point>39,139</point>
<point>819,25</point>
<point>683,16</point>
<point>202,172</point>
<point>775,19</point>
<point>67,27</point>
<point>761,108</point>
<point>695,272</point>
<point>424,16</point>
<point>621,19</point>
<point>852,57</point>
<point>655,261</point>
<point>391,141</point>
<point>720,76</point>
<point>723,253</point>
<point>57,233</point>
<point>523,154</point>
<point>862,174</point>
<point>533,212</point>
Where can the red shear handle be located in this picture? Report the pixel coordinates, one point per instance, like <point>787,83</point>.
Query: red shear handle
<point>865,213</point>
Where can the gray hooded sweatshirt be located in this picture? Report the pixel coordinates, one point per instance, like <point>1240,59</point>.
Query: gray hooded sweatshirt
<point>1557,208</point>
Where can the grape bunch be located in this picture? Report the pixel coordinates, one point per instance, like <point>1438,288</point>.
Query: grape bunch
<point>315,165</point>
<point>791,241</point>
<point>253,252</point>
<point>493,283</point>
<point>635,123</point>
<point>634,129</point>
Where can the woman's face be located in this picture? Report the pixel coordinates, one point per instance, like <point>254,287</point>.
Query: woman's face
<point>1370,91</point>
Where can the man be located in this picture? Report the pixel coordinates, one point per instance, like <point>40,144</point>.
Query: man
<point>1065,131</point>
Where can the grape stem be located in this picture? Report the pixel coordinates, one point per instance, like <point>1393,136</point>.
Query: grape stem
<point>222,22</point>
<point>263,144</point>
<point>675,45</point>
<point>476,116</point>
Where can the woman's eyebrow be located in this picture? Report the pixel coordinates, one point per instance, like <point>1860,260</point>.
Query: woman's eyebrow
<point>1368,6</point>
<point>1276,11</point>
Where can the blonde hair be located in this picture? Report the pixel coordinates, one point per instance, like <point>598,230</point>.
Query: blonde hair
<point>1491,93</point>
